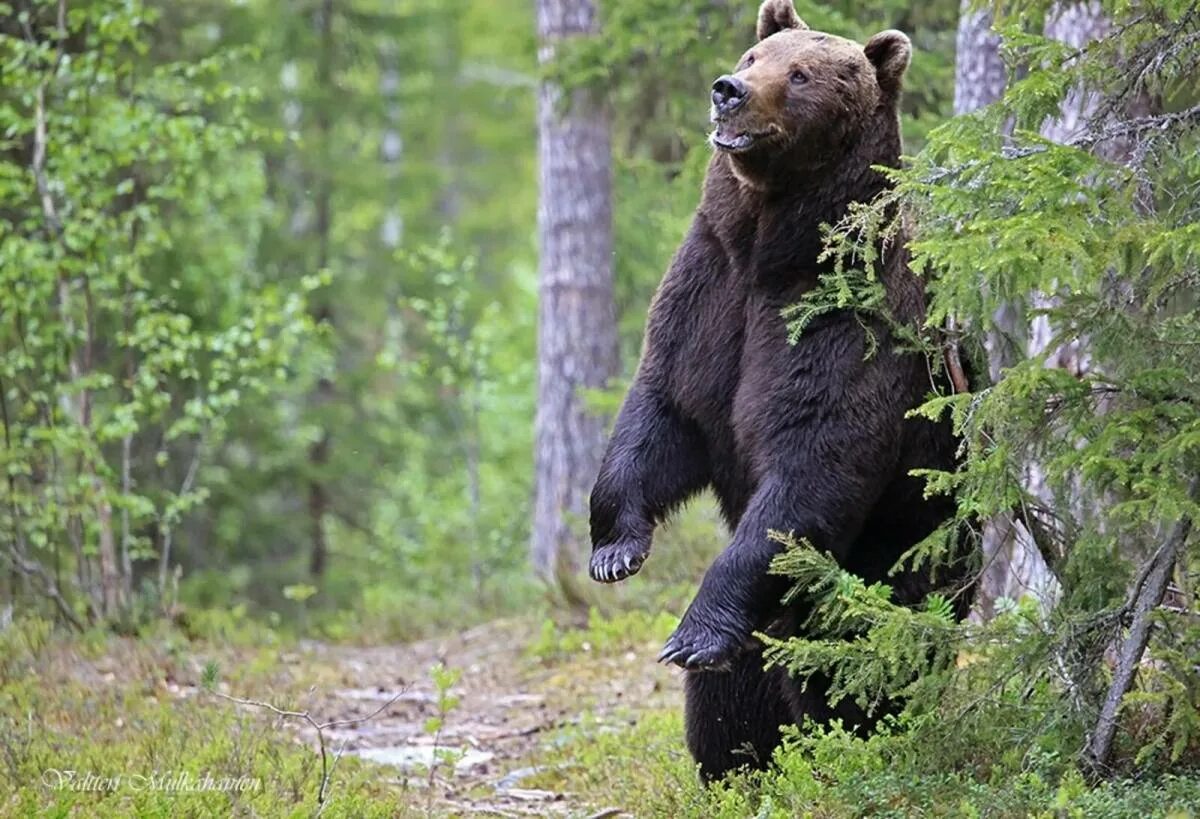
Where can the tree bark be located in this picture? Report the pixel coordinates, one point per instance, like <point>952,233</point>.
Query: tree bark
<point>322,311</point>
<point>1074,24</point>
<point>1012,565</point>
<point>979,73</point>
<point>391,149</point>
<point>1014,562</point>
<point>1078,24</point>
<point>577,336</point>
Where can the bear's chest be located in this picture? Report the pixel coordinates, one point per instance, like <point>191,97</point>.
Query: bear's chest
<point>733,370</point>
<point>778,382</point>
<point>708,360</point>
<point>735,373</point>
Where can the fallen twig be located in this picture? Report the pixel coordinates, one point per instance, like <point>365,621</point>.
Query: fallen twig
<point>327,766</point>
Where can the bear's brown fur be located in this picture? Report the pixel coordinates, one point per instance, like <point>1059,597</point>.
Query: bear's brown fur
<point>810,438</point>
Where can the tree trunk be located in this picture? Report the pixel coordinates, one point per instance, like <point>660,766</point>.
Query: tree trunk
<point>107,600</point>
<point>577,335</point>
<point>322,311</point>
<point>979,73</point>
<point>1076,25</point>
<point>1012,564</point>
<point>391,229</point>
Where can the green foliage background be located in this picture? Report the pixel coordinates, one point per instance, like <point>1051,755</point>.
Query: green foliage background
<point>191,147</point>
<point>236,234</point>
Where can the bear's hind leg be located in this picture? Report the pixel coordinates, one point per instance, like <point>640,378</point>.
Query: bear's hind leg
<point>733,717</point>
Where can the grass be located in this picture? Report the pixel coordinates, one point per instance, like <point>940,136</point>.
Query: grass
<point>136,715</point>
<point>113,727</point>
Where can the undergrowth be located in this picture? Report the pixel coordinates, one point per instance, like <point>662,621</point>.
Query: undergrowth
<point>985,750</point>
<point>105,726</point>
<point>830,772</point>
<point>135,709</point>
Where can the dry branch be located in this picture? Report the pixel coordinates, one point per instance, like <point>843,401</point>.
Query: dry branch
<point>1145,596</point>
<point>327,766</point>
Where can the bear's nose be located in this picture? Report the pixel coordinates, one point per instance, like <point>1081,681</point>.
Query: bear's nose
<point>728,93</point>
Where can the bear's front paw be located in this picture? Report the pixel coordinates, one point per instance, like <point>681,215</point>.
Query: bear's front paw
<point>697,646</point>
<point>617,561</point>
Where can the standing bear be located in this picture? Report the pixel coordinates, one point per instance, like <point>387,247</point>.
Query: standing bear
<point>810,438</point>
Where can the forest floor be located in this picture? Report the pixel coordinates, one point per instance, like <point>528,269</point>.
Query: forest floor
<point>510,718</point>
<point>494,751</point>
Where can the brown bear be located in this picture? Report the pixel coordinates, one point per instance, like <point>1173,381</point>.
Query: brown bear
<point>811,438</point>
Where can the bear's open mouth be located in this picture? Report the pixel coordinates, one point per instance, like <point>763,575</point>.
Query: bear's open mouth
<point>732,141</point>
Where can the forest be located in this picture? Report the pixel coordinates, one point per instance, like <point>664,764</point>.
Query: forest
<point>316,318</point>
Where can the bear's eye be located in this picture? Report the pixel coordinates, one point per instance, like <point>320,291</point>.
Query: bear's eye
<point>798,77</point>
<point>749,61</point>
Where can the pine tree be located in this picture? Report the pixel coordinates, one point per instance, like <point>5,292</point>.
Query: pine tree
<point>577,340</point>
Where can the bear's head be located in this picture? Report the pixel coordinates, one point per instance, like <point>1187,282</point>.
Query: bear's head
<point>801,96</point>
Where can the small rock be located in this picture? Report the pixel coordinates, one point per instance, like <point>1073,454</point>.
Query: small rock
<point>407,757</point>
<point>513,778</point>
<point>532,795</point>
<point>520,699</point>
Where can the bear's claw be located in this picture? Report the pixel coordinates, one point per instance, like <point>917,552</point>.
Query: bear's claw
<point>617,561</point>
<point>697,650</point>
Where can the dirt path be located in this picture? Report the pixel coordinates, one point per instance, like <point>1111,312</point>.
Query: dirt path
<point>510,707</point>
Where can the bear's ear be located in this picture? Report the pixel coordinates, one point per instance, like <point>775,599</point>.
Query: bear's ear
<point>889,51</point>
<point>776,15</point>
